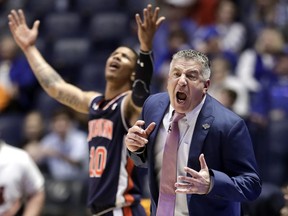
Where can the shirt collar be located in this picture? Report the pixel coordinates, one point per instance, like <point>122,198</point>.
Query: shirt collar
<point>188,116</point>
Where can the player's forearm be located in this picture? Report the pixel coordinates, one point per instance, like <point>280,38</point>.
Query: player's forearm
<point>35,204</point>
<point>54,84</point>
<point>144,72</point>
<point>48,78</point>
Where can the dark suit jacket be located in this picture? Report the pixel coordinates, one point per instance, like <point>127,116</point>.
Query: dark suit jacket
<point>225,141</point>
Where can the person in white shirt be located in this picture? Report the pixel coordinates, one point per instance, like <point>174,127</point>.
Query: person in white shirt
<point>21,183</point>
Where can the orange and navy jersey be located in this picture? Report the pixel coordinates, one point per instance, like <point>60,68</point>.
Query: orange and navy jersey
<point>113,178</point>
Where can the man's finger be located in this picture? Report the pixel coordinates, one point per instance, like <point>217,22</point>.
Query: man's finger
<point>138,20</point>
<point>22,18</point>
<point>156,13</point>
<point>139,123</point>
<point>137,138</point>
<point>150,128</point>
<point>149,8</point>
<point>203,162</point>
<point>192,172</point>
<point>159,21</point>
<point>11,25</point>
<point>36,25</point>
<point>15,17</point>
<point>136,142</point>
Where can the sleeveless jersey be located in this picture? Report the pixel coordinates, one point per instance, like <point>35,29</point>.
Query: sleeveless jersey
<point>113,181</point>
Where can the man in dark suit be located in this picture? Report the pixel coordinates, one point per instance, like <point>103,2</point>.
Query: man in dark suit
<point>216,166</point>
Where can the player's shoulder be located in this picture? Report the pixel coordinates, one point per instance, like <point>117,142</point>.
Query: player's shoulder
<point>13,152</point>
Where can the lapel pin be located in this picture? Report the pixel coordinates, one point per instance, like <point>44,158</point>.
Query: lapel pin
<point>206,126</point>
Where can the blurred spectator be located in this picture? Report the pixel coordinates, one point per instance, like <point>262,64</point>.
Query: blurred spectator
<point>228,97</point>
<point>8,50</point>
<point>208,41</point>
<point>17,82</point>
<point>224,83</point>
<point>21,183</point>
<point>230,33</point>
<point>64,196</point>
<point>270,109</point>
<point>265,13</point>
<point>257,63</point>
<point>64,148</point>
<point>33,130</point>
<point>255,67</point>
<point>203,12</point>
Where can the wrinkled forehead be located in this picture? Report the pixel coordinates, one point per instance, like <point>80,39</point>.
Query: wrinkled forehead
<point>185,64</point>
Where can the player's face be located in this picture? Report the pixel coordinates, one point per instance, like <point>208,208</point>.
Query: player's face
<point>120,64</point>
<point>186,86</point>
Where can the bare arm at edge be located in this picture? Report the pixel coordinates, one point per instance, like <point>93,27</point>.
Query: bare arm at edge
<point>49,79</point>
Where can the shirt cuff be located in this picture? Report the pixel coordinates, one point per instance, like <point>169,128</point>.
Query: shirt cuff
<point>140,151</point>
<point>146,52</point>
<point>211,181</point>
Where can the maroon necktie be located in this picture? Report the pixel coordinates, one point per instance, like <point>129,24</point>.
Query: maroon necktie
<point>167,195</point>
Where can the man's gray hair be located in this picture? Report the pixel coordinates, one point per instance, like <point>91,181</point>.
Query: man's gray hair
<point>196,56</point>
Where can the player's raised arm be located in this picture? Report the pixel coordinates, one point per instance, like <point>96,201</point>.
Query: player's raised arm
<point>48,78</point>
<point>147,27</point>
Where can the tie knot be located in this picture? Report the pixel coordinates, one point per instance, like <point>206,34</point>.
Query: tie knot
<point>177,116</point>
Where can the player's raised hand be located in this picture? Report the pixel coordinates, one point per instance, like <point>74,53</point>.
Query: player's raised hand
<point>147,26</point>
<point>23,35</point>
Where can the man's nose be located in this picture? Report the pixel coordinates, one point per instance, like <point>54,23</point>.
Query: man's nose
<point>182,80</point>
<point>117,56</point>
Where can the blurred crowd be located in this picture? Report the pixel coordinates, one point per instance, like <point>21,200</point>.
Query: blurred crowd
<point>246,41</point>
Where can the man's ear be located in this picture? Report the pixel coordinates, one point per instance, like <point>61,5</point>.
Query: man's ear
<point>206,85</point>
<point>132,78</point>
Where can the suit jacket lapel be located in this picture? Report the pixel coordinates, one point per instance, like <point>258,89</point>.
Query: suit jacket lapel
<point>162,103</point>
<point>202,127</point>
<point>158,115</point>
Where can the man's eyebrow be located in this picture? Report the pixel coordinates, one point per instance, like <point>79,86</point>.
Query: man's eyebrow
<point>193,71</point>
